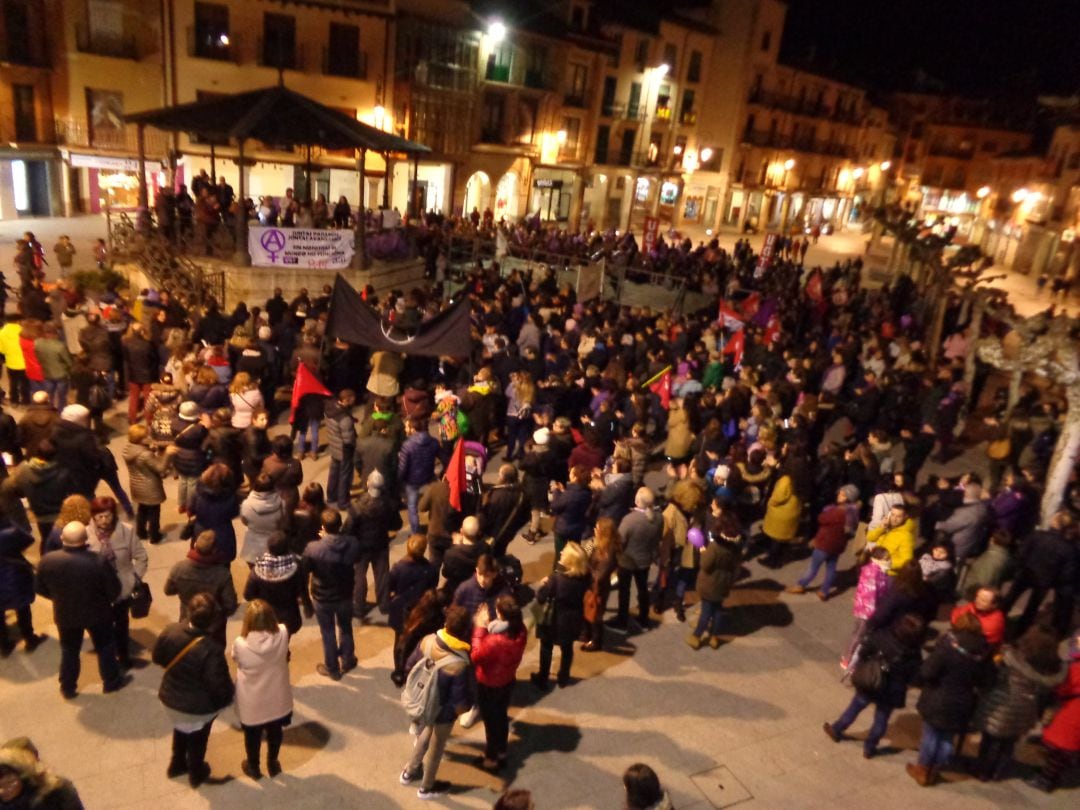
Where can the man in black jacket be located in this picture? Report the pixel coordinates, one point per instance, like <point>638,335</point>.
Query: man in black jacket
<point>1048,562</point>
<point>79,451</point>
<point>504,510</point>
<point>328,563</point>
<point>373,519</point>
<point>82,586</point>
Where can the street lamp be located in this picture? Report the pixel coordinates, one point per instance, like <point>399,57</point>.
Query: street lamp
<point>560,136</point>
<point>662,70</point>
<point>496,31</point>
<point>706,154</point>
<point>858,173</point>
<point>885,165</point>
<point>1020,195</point>
<point>789,164</point>
<point>983,192</point>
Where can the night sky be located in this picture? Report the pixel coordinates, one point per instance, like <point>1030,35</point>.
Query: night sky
<point>1015,49</point>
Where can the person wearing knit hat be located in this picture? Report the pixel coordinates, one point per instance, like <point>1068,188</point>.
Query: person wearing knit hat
<point>79,414</point>
<point>541,436</point>
<point>83,587</point>
<point>836,526</point>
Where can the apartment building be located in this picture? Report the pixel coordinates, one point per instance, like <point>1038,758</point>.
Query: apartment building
<point>30,175</point>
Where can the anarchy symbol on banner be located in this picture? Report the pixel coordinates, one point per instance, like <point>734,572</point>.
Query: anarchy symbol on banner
<point>273,242</point>
<point>397,335</point>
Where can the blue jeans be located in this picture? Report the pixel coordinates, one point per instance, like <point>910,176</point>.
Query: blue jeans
<point>340,481</point>
<point>335,626</point>
<point>877,728</point>
<point>412,502</point>
<point>58,393</point>
<point>709,621</point>
<point>935,747</point>
<point>311,429</point>
<point>816,559</point>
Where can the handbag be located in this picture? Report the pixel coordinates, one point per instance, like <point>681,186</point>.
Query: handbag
<point>545,620</point>
<point>141,599</point>
<point>869,674</point>
<point>591,606</point>
<point>97,397</point>
<point>180,655</point>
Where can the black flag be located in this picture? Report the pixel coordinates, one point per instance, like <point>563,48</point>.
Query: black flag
<point>353,321</point>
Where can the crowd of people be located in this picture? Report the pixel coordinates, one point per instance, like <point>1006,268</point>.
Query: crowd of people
<point>661,453</point>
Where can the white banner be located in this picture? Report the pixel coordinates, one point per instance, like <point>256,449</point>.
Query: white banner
<point>301,247</point>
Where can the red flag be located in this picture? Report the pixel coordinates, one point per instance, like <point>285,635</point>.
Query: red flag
<point>735,346</point>
<point>661,386</point>
<point>750,306</point>
<point>305,383</point>
<point>772,330</point>
<point>455,474</point>
<point>729,318</point>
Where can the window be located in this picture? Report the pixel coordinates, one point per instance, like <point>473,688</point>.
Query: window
<point>536,67</point>
<point>693,70</point>
<point>671,56</point>
<point>635,100</point>
<point>498,66</point>
<point>491,123</point>
<point>663,102</point>
<point>577,18</point>
<point>603,136</point>
<point>23,32</point>
<point>766,40</point>
<point>608,101</point>
<point>579,79</point>
<point>1074,161</point>
<point>343,57</point>
<point>641,55</point>
<point>687,114</point>
<point>626,148</point>
<point>279,40</point>
<point>572,128</point>
<point>211,38</point>
<point>25,119</point>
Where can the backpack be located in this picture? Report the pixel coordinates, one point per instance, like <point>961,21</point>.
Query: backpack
<point>420,697</point>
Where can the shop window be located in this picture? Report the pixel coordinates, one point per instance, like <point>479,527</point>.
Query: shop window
<point>25,118</point>
<point>343,56</point>
<point>279,41</point>
<point>693,70</point>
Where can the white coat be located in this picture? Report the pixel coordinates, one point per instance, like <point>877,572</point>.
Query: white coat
<point>263,691</point>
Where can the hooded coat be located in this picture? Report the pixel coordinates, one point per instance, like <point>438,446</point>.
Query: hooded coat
<point>949,679</point>
<point>263,692</point>
<point>263,513</point>
<point>278,580</point>
<point>1011,706</point>
<point>146,471</point>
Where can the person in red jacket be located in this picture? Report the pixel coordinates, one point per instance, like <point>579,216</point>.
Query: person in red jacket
<point>985,608</point>
<point>497,647</point>
<point>1062,737</point>
<point>836,526</point>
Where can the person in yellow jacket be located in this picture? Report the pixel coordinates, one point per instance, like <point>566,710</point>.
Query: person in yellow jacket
<point>782,514</point>
<point>14,360</point>
<point>896,535</point>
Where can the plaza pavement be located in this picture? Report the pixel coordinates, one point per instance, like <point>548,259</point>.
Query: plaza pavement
<point>740,726</point>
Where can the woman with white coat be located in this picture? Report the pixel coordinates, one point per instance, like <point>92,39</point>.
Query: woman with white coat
<point>263,514</point>
<point>263,693</point>
<point>246,398</point>
<point>116,542</point>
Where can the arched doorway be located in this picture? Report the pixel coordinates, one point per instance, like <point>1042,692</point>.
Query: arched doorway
<point>477,193</point>
<point>506,197</point>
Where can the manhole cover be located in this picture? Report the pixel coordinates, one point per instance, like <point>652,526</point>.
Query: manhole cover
<point>721,788</point>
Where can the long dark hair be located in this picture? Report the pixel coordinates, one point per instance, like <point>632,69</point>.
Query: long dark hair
<point>425,613</point>
<point>507,607</point>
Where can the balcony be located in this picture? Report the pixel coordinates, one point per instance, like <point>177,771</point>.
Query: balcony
<point>221,46</point>
<point>536,79</point>
<point>105,43</point>
<point>688,118</point>
<point>662,114</point>
<point>348,65</point>
<point>280,56</point>
<point>949,151</point>
<point>780,141</point>
<point>74,133</point>
<point>780,101</point>
<point>491,135</point>
<point>572,100</point>
<point>611,109</point>
<point>25,53</point>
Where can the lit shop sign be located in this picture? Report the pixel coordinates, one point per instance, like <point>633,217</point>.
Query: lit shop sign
<point>546,183</point>
<point>112,164</point>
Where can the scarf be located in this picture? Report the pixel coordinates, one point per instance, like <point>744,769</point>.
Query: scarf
<point>451,642</point>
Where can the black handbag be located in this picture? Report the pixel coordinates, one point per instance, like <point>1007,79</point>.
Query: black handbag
<point>869,675</point>
<point>141,599</point>
<point>545,621</point>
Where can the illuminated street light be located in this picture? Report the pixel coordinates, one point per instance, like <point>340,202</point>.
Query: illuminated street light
<point>224,40</point>
<point>789,164</point>
<point>678,149</point>
<point>859,172</point>
<point>983,192</point>
<point>662,70</point>
<point>496,31</point>
<point>706,154</point>
<point>1019,195</point>
<point>560,136</point>
<point>885,165</point>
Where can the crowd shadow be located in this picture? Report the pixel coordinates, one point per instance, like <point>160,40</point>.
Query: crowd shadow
<point>754,605</point>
